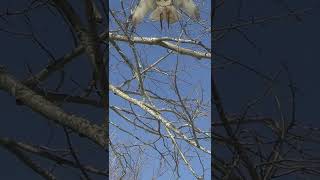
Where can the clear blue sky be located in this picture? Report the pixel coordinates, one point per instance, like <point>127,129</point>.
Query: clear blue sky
<point>196,73</point>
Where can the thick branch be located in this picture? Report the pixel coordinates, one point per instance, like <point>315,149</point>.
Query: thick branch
<point>163,43</point>
<point>39,104</point>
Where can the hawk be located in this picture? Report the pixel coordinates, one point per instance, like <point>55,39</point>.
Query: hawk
<point>164,10</point>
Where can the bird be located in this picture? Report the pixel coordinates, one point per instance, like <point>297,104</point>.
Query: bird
<point>164,10</point>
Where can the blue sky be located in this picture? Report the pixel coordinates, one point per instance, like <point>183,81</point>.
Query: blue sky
<point>194,76</point>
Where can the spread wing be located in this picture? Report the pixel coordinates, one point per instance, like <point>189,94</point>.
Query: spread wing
<point>141,10</point>
<point>189,7</point>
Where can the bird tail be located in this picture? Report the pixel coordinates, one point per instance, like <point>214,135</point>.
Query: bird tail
<point>168,13</point>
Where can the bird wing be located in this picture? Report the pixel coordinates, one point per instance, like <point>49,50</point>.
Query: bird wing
<point>144,6</point>
<point>189,7</point>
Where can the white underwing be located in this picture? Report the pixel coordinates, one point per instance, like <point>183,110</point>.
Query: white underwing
<point>143,7</point>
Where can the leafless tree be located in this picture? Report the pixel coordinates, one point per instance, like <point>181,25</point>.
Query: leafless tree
<point>159,106</point>
<point>158,103</point>
<point>256,131</point>
<point>53,35</point>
